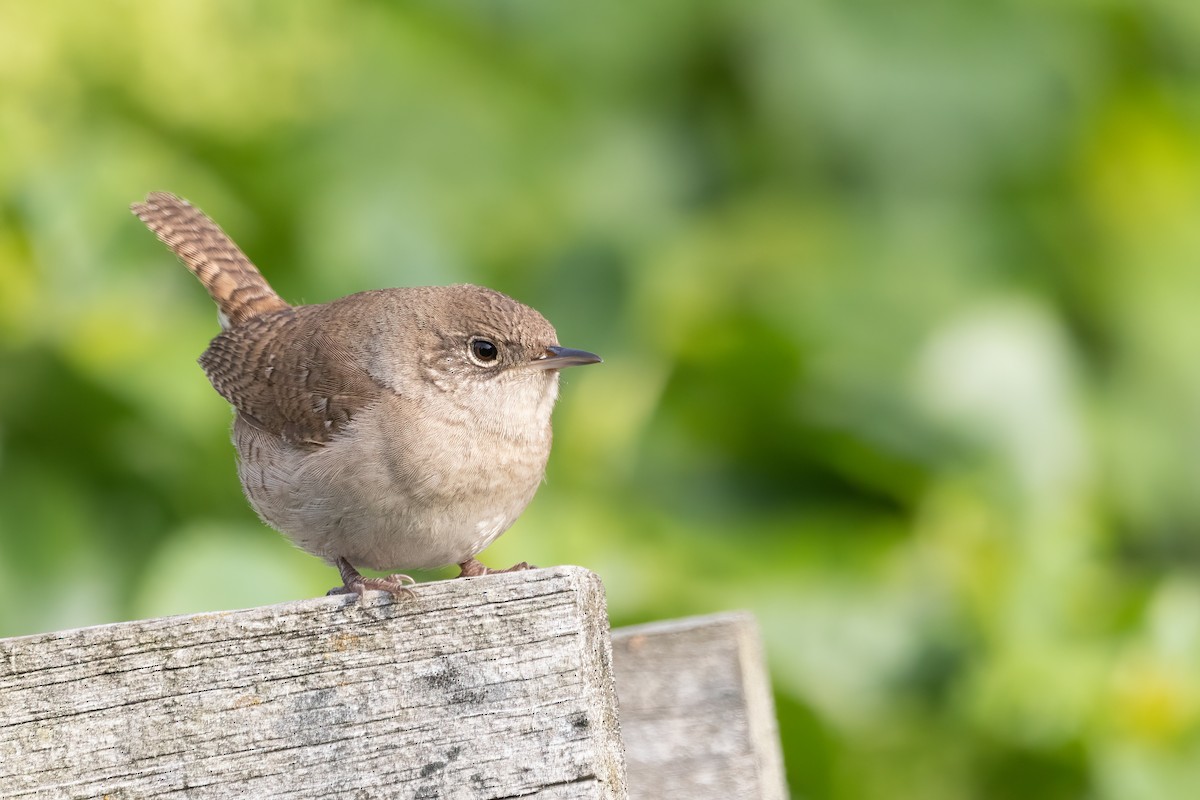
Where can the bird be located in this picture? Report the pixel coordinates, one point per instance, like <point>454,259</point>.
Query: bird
<point>391,429</point>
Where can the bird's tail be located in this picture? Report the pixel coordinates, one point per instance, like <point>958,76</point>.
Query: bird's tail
<point>239,289</point>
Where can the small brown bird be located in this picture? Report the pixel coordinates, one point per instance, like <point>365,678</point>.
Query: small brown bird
<point>391,429</point>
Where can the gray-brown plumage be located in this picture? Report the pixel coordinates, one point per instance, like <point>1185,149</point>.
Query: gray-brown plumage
<point>397,428</point>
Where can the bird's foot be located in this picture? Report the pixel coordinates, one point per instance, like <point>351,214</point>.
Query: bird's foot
<point>353,582</point>
<point>473,569</point>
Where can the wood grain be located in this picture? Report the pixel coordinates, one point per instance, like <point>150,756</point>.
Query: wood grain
<point>493,687</point>
<point>696,710</point>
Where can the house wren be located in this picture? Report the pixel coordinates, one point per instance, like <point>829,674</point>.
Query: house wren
<point>391,429</point>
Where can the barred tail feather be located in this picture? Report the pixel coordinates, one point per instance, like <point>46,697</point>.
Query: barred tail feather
<point>234,283</point>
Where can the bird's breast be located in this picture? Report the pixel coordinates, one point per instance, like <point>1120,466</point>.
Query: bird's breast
<point>400,487</point>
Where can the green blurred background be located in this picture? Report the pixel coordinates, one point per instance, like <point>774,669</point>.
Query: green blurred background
<point>898,305</point>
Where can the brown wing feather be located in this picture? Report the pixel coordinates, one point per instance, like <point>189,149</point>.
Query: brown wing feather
<point>284,376</point>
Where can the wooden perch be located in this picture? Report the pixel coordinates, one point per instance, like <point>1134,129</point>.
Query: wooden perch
<point>696,710</point>
<point>494,687</point>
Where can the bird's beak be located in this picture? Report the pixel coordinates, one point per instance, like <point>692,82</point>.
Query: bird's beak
<point>558,357</point>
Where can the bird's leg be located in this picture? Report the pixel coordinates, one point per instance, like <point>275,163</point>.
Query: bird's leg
<point>473,569</point>
<point>353,582</point>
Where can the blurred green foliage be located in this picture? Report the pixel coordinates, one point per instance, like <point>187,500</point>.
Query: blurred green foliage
<point>897,301</point>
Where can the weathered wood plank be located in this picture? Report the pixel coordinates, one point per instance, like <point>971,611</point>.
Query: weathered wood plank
<point>483,688</point>
<point>696,710</point>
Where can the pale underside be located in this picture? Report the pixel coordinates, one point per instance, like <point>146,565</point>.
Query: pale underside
<point>384,499</point>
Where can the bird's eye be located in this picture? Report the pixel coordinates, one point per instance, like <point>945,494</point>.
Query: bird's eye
<point>484,351</point>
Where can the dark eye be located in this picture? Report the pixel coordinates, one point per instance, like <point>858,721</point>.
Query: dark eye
<point>484,350</point>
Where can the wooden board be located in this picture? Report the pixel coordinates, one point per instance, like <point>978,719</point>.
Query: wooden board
<point>696,710</point>
<point>482,688</point>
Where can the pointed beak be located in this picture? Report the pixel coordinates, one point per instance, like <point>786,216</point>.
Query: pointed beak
<point>559,357</point>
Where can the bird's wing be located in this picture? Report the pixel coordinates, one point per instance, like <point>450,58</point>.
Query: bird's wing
<point>285,376</point>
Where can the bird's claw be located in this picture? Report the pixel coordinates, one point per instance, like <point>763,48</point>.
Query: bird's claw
<point>353,582</point>
<point>471,568</point>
